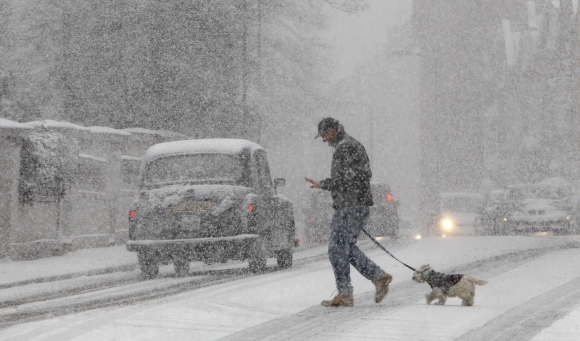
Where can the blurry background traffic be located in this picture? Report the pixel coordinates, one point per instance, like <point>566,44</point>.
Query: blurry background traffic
<point>448,97</point>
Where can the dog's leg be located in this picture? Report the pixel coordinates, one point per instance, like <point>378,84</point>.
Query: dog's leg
<point>465,290</point>
<point>438,293</point>
<point>470,297</point>
<point>467,301</point>
<point>430,296</point>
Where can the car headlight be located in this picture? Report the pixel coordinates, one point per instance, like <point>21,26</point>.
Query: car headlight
<point>447,224</point>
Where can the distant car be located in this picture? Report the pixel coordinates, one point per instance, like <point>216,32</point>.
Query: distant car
<point>492,214</point>
<point>384,216</point>
<point>383,219</point>
<point>459,214</point>
<point>574,204</point>
<point>209,200</point>
<point>536,208</point>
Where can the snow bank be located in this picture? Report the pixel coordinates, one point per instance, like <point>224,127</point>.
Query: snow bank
<point>57,125</point>
<point>166,196</point>
<point>165,133</point>
<point>87,156</point>
<point>7,124</point>
<point>108,130</point>
<point>138,130</point>
<point>130,158</point>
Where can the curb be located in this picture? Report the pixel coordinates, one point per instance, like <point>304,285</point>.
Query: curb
<point>94,272</point>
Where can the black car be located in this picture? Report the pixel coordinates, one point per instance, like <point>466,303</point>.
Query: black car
<point>209,200</point>
<point>384,216</point>
<point>383,219</point>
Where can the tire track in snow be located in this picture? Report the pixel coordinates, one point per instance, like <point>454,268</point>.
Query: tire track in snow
<point>322,323</point>
<point>523,322</point>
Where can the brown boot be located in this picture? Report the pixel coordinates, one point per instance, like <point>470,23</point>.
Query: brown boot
<point>382,286</point>
<point>339,300</point>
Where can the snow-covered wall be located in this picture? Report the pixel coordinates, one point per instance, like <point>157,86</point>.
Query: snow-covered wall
<point>11,134</point>
<point>94,210</point>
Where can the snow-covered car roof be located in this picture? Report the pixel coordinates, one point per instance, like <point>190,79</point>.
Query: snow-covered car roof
<point>226,146</point>
<point>460,195</point>
<point>165,133</point>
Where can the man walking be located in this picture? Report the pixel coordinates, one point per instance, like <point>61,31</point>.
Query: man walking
<point>349,184</point>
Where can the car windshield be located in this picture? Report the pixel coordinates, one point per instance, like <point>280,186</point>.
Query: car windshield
<point>460,204</point>
<point>194,167</point>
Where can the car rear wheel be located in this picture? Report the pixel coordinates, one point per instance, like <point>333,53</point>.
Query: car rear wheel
<point>148,264</point>
<point>284,259</point>
<point>181,267</point>
<point>258,257</point>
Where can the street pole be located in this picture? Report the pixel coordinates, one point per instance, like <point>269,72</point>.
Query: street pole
<point>370,109</point>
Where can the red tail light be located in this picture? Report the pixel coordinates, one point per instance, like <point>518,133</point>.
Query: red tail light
<point>389,197</point>
<point>132,214</point>
<point>251,208</point>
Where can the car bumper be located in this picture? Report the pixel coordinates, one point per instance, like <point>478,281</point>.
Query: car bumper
<point>231,247</point>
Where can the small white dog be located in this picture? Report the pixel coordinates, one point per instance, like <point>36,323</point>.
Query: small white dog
<point>443,286</point>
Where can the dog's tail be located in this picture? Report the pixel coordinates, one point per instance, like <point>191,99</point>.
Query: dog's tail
<point>474,280</point>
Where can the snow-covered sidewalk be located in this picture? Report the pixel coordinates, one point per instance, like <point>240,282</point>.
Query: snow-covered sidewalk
<point>95,261</point>
<point>73,264</point>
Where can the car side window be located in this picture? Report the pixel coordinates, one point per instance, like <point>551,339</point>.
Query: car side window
<point>263,178</point>
<point>246,177</point>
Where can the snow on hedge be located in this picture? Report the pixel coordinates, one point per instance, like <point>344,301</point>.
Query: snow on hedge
<point>48,165</point>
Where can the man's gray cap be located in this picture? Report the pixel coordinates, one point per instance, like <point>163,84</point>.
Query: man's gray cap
<point>325,124</point>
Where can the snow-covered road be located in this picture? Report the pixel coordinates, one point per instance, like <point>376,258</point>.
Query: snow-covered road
<point>531,294</point>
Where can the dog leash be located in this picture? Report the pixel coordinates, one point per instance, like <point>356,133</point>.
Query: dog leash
<point>387,251</point>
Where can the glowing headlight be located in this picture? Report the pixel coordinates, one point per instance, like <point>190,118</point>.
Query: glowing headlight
<point>418,236</point>
<point>447,224</point>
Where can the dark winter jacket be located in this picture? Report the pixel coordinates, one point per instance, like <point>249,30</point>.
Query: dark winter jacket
<point>441,280</point>
<point>350,173</point>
